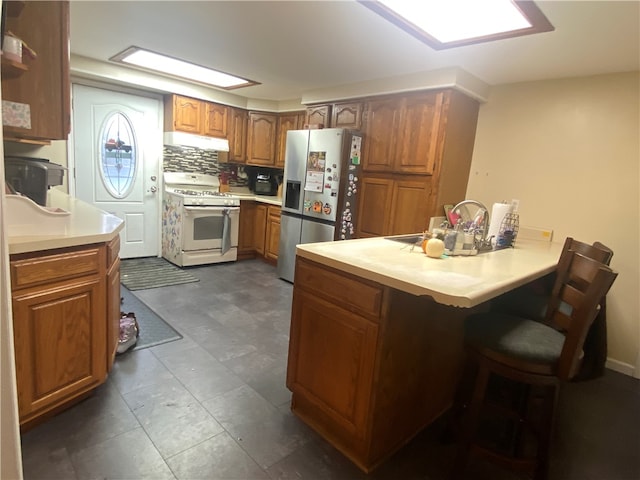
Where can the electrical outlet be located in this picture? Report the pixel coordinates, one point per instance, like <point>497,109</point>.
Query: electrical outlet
<point>535,233</point>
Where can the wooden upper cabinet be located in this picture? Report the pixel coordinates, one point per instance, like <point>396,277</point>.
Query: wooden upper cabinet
<point>190,115</point>
<point>402,134</point>
<point>43,84</point>
<point>318,115</point>
<point>261,138</point>
<point>286,122</point>
<point>417,134</point>
<point>382,118</point>
<point>346,115</point>
<point>183,114</point>
<point>237,135</point>
<point>215,120</point>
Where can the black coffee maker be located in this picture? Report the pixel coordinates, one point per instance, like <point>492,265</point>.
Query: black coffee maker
<point>32,177</point>
<point>263,180</point>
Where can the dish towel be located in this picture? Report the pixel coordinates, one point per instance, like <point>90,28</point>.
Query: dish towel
<point>226,231</point>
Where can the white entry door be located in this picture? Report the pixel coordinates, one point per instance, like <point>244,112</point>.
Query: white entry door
<point>117,149</point>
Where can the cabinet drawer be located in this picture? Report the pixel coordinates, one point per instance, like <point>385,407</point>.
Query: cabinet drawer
<point>349,292</point>
<point>52,268</point>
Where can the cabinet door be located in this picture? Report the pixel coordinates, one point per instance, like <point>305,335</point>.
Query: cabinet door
<point>260,229</point>
<point>409,211</point>
<point>237,135</point>
<point>187,114</point>
<point>113,312</point>
<point>381,122</point>
<point>374,208</point>
<point>319,115</point>
<point>45,86</point>
<point>346,115</point>
<point>261,141</point>
<point>272,237</point>
<point>324,336</point>
<point>215,120</point>
<point>60,343</point>
<point>247,228</point>
<point>417,134</point>
<point>286,122</point>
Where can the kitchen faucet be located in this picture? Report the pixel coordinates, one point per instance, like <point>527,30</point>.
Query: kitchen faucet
<point>479,229</point>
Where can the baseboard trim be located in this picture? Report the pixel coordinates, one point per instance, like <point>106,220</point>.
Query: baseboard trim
<point>621,367</point>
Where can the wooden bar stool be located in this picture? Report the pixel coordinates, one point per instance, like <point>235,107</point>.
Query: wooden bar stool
<point>531,301</point>
<point>539,354</point>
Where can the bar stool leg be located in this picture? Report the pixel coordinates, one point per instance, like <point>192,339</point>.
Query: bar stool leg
<point>470,423</point>
<point>546,431</point>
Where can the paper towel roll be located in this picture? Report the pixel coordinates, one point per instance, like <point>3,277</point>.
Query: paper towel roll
<point>498,212</point>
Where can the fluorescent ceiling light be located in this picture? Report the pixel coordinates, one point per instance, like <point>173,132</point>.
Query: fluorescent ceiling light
<point>453,23</point>
<point>179,68</point>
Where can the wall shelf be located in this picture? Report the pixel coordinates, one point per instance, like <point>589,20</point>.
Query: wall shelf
<point>12,69</point>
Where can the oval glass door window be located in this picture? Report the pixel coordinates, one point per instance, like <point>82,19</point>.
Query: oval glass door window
<point>119,155</point>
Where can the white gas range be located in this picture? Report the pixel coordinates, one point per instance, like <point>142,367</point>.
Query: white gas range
<point>199,223</point>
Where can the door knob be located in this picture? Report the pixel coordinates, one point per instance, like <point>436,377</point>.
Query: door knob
<point>153,189</point>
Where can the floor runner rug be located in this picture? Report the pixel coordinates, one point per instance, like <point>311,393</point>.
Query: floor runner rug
<point>152,272</point>
<point>153,329</point>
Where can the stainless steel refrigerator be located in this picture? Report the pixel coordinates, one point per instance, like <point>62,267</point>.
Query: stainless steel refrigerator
<point>320,190</point>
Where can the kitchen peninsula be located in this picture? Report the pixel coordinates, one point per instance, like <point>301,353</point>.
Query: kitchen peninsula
<point>376,343</point>
<point>65,289</point>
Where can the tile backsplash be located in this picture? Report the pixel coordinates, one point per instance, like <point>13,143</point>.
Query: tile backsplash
<point>188,159</point>
<point>196,160</point>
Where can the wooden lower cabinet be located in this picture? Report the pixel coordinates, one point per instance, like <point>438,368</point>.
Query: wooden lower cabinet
<point>260,228</point>
<point>65,312</point>
<point>369,366</point>
<point>113,299</point>
<point>259,232</point>
<point>246,230</point>
<point>393,206</point>
<point>272,234</point>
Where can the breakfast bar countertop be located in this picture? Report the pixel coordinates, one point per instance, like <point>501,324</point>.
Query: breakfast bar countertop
<point>85,224</point>
<point>460,281</point>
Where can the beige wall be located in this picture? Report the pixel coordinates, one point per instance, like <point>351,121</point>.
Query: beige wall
<point>569,150</point>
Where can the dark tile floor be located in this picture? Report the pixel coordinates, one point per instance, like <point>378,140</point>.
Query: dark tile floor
<point>214,405</point>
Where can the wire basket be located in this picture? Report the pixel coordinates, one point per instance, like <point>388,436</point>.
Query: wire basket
<point>508,230</point>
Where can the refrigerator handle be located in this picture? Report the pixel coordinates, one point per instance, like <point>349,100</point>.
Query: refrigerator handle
<point>292,195</point>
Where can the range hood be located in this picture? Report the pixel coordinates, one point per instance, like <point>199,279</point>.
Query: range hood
<point>196,141</point>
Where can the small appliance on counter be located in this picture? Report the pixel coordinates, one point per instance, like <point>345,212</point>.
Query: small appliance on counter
<point>266,184</point>
<point>263,180</point>
<point>32,177</point>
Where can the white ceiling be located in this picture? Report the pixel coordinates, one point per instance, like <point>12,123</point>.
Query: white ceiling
<point>293,47</point>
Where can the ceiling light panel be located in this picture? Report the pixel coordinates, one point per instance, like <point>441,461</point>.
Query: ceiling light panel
<point>179,68</point>
<point>452,23</point>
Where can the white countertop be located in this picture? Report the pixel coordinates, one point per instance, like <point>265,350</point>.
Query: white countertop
<point>86,224</point>
<point>457,281</point>
<point>245,194</point>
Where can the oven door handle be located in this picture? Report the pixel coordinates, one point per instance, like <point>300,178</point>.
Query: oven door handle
<point>219,210</point>
<point>226,231</point>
